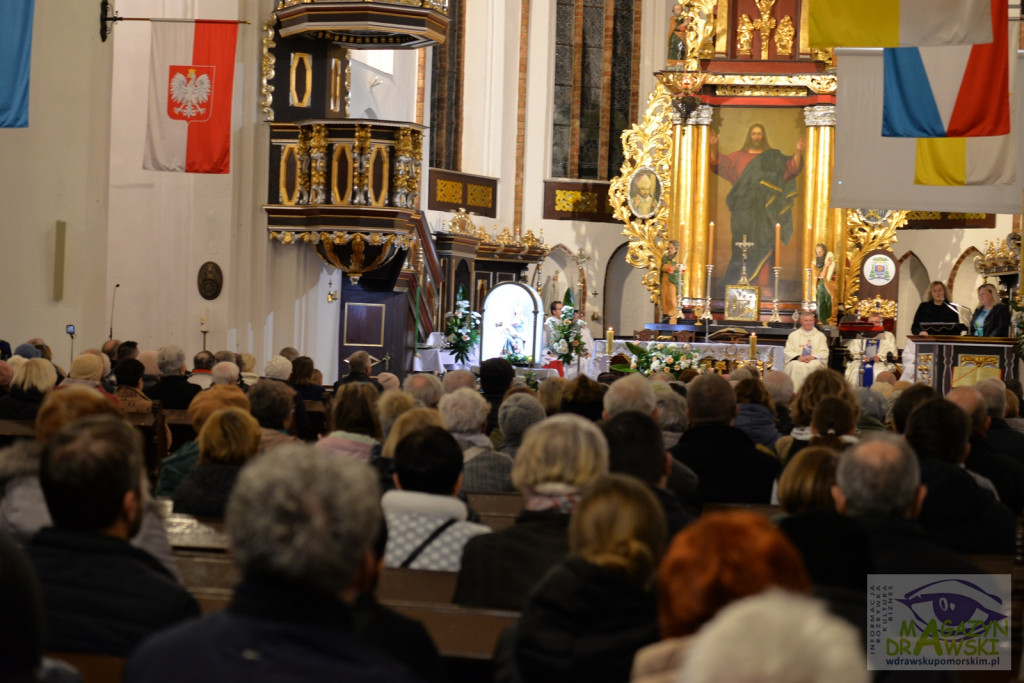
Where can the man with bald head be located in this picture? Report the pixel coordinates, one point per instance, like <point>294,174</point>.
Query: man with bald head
<point>1004,472</point>
<point>878,481</point>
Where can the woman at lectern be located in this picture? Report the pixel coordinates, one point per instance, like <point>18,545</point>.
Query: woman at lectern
<point>937,309</point>
<point>992,317</point>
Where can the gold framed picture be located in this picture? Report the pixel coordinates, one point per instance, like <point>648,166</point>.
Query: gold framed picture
<point>743,302</point>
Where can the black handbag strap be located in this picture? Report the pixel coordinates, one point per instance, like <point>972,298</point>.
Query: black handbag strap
<point>425,544</point>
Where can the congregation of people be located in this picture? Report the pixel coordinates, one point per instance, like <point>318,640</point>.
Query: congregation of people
<point>715,529</point>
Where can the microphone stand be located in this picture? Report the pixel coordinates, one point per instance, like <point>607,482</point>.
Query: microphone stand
<point>113,297</point>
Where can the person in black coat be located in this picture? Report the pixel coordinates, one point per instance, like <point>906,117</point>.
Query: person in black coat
<point>992,317</point>
<point>33,380</point>
<point>730,467</point>
<point>596,608</point>
<point>228,439</point>
<point>100,594</point>
<point>174,391</point>
<point>557,460</point>
<point>937,309</point>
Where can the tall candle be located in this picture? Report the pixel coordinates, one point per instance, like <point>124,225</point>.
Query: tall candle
<point>778,243</point>
<point>753,346</point>
<point>711,242</point>
<point>609,340</point>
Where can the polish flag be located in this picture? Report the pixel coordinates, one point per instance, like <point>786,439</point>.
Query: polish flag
<point>192,68</point>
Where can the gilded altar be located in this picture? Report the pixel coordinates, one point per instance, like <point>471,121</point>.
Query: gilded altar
<point>729,172</point>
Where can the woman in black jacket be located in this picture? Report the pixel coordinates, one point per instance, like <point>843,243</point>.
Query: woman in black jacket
<point>992,317</point>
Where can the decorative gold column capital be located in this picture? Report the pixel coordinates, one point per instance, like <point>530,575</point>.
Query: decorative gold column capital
<point>820,115</point>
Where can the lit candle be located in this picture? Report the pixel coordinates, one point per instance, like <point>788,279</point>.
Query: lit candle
<point>609,340</point>
<point>753,346</point>
<point>711,242</point>
<point>778,243</point>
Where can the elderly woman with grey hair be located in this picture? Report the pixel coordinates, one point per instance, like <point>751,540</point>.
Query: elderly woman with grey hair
<point>671,413</point>
<point>557,461</point>
<point>485,470</point>
<point>518,413</point>
<point>271,404</point>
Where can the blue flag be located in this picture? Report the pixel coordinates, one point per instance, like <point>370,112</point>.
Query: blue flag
<point>15,61</point>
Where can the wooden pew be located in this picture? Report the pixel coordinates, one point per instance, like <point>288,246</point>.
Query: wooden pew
<point>496,510</point>
<point>769,511</point>
<point>181,428</point>
<point>153,429</point>
<point>203,569</point>
<point>191,533</point>
<point>94,668</point>
<point>416,585</point>
<point>459,632</point>
<point>319,416</point>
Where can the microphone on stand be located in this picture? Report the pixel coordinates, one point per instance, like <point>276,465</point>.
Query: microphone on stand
<point>113,297</point>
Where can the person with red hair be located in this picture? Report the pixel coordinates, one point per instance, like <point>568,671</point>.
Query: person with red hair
<point>722,557</point>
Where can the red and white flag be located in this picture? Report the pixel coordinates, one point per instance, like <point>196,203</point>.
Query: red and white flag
<point>192,69</point>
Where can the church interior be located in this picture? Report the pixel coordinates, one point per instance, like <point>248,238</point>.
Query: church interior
<point>511,117</point>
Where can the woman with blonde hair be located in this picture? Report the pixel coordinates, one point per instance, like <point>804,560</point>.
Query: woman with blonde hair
<point>992,317</point>
<point>596,608</point>
<point>557,461</point>
<point>32,381</point>
<point>549,393</point>
<point>227,441</point>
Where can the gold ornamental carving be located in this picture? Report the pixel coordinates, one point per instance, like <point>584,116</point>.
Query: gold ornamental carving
<point>318,164</point>
<point>699,22</point>
<point>978,361</point>
<point>575,200</point>
<point>817,83</point>
<point>744,35</point>
<point>784,35</point>
<point>449,191</point>
<point>866,230</point>
<point>924,367</point>
<point>267,66</point>
<point>884,307</point>
<point>761,91</point>
<point>647,144</point>
<point>479,195</point>
<point>764,24</point>
<point>305,61</point>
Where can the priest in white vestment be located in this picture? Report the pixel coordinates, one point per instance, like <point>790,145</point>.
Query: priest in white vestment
<point>806,350</point>
<point>870,353</point>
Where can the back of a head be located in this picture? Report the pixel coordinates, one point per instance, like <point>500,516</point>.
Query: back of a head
<point>226,355</point>
<point>1012,404</point>
<point>35,374</point>
<point>635,446</point>
<point>408,423</point>
<point>289,353</point>
<point>230,437</point>
<point>871,403</point>
<point>457,379</point>
<point>203,360</point>
<point>786,638</point>
<point>740,374</point>
<point>129,372</point>
<point>834,416</point>
<point>817,386</point>
<point>910,398</point>
<point>464,411</point>
<point>722,557</point>
<point>170,359</point>
<point>278,367</point>
<point>248,362</point>
<point>355,409</point>
<point>125,350</point>
<point>631,392</point>
<point>359,362</point>
<point>148,358</point>
<point>496,375</point>
<point>271,403</point>
<point>971,402</point>
<point>710,400</point>
<point>425,388</point>
<point>218,397</point>
<point>87,468</point>
<point>564,449</point>
<point>429,461</point>
<point>584,397</point>
<point>21,621</point>
<point>939,429</point>
<point>879,477</point>
<point>549,393</point>
<point>752,390</point>
<point>302,371</point>
<point>67,405</point>
<point>672,410</point>
<point>518,413</point>
<point>86,366</point>
<point>303,517</point>
<point>806,482</point>
<point>619,526</point>
<point>388,380</point>
<point>224,372</point>
<point>993,391</point>
<point>391,405</point>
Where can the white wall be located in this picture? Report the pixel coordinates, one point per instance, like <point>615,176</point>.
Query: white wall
<point>56,169</point>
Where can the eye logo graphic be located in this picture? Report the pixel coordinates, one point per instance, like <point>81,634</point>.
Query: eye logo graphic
<point>961,608</point>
